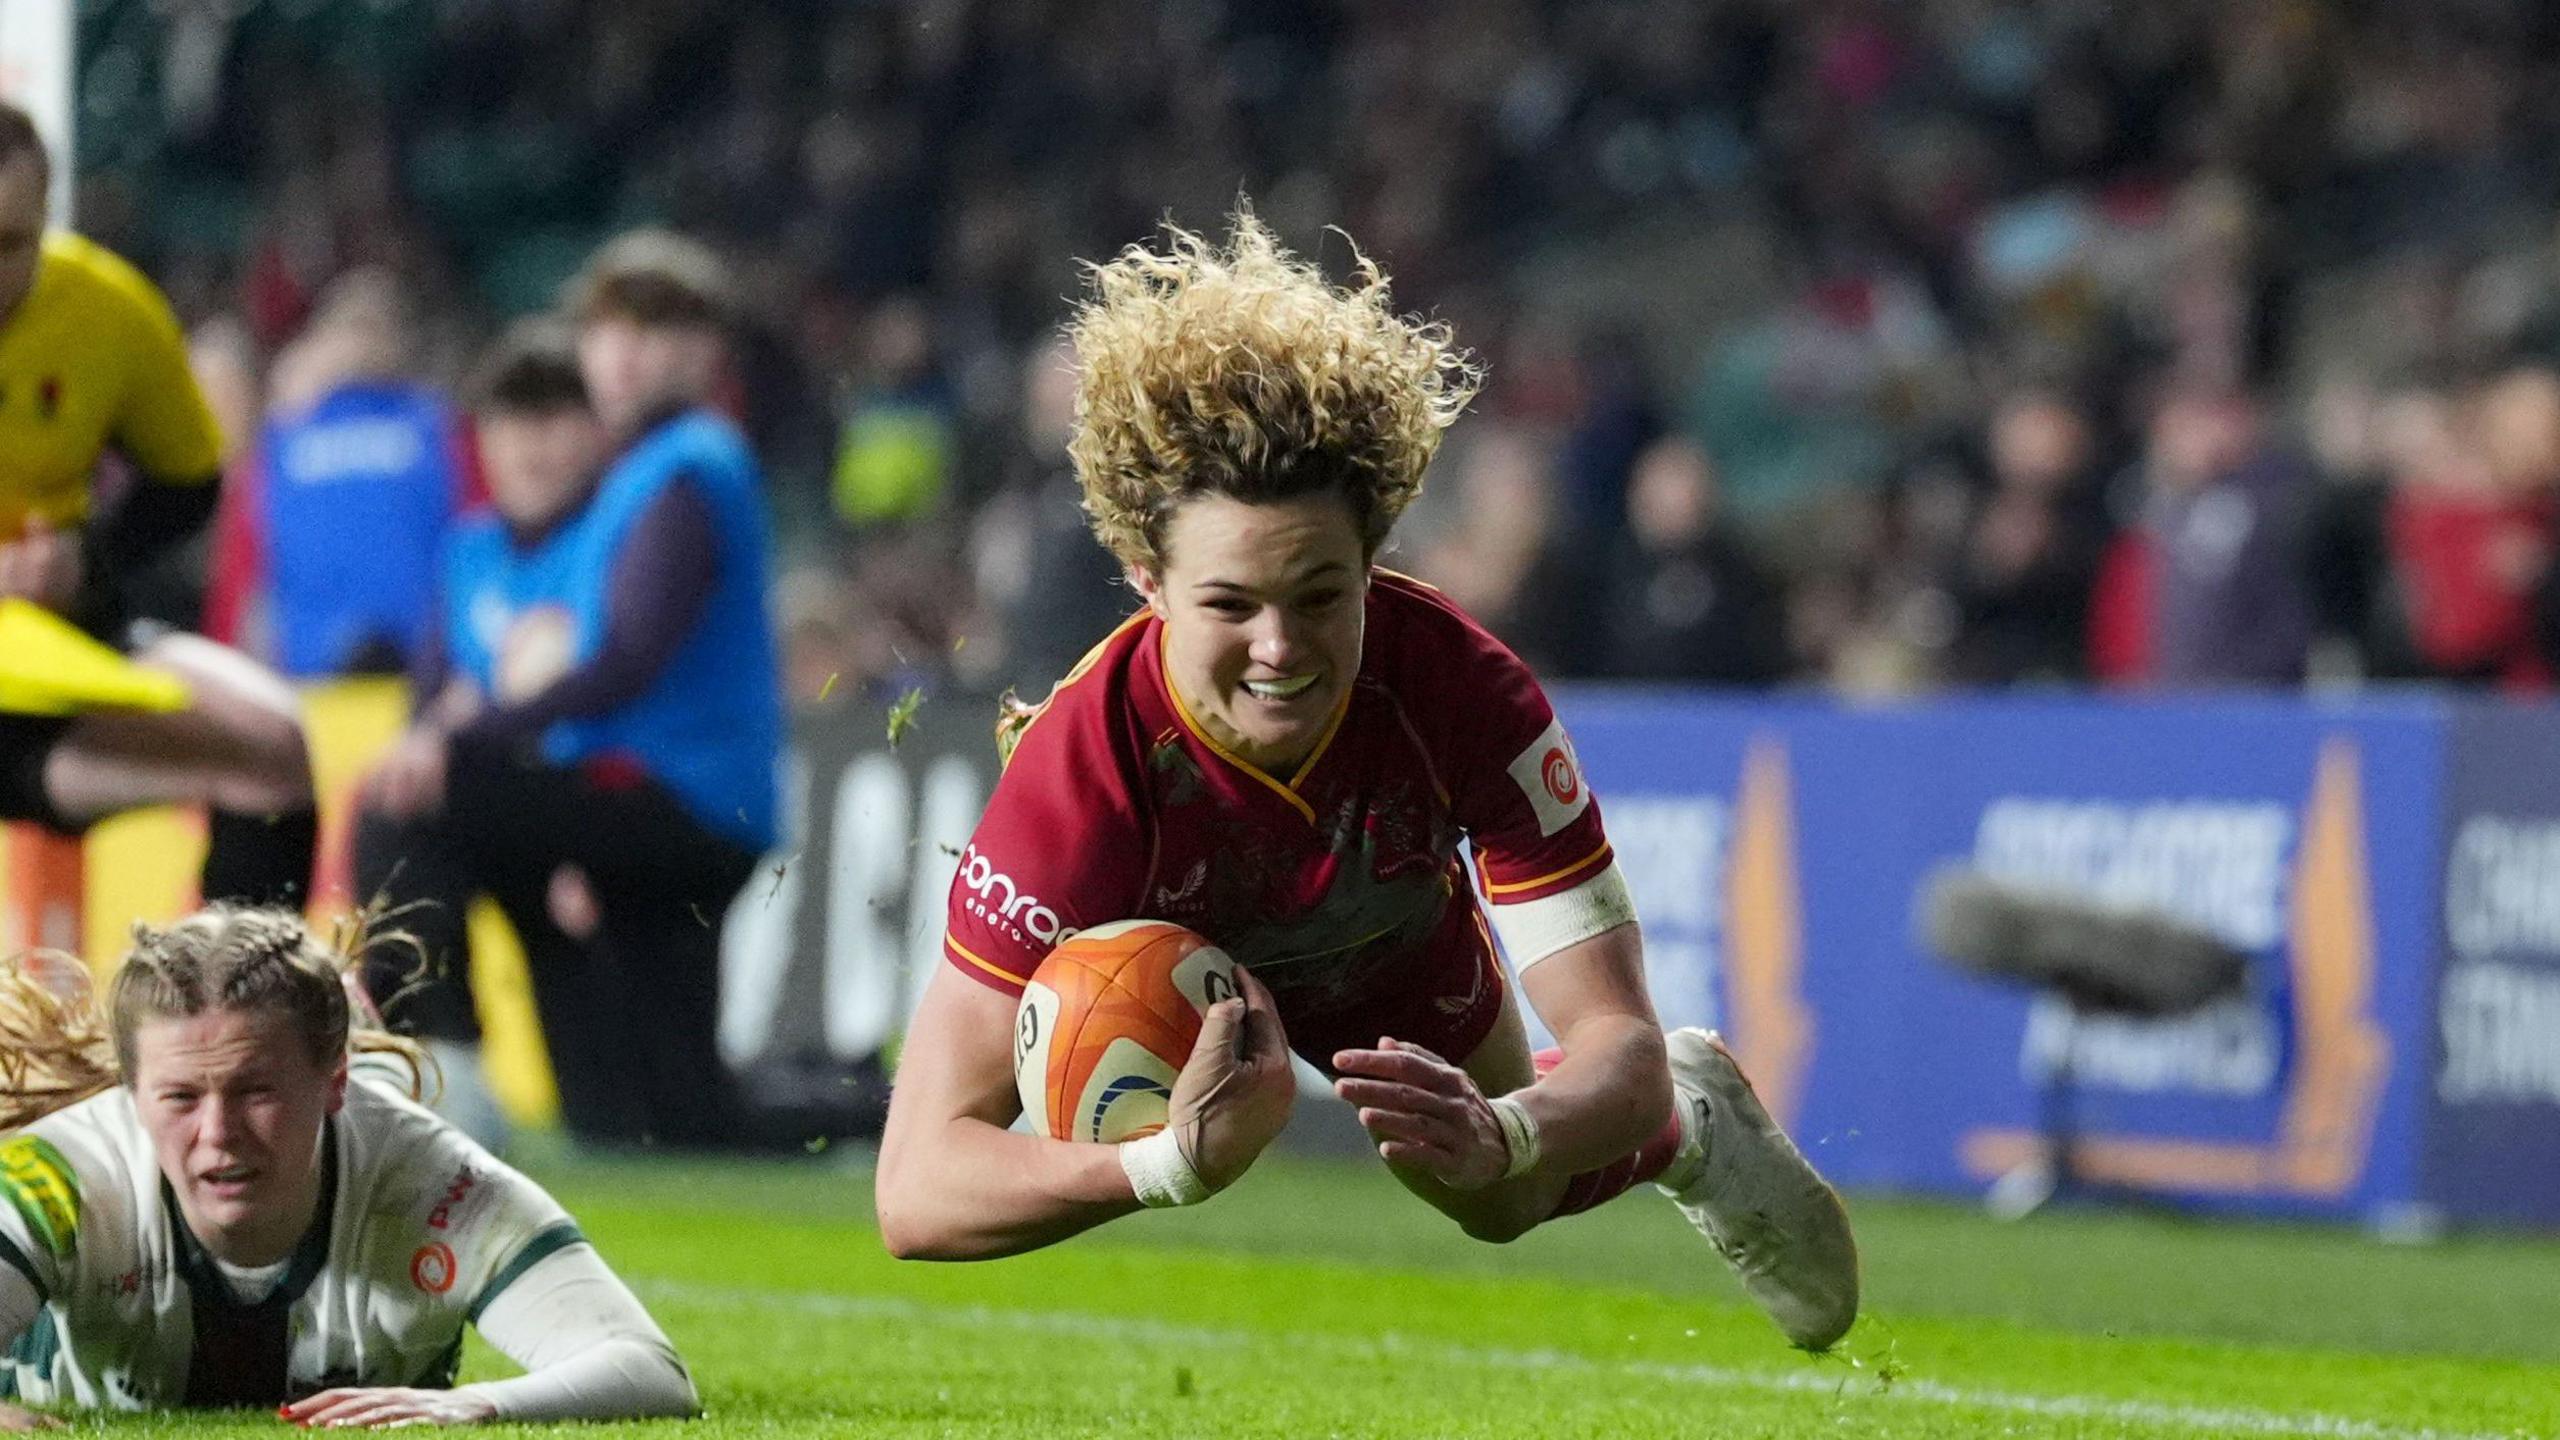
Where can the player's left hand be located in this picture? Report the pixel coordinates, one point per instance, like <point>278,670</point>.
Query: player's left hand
<point>43,565</point>
<point>375,1409</point>
<point>1424,1113</point>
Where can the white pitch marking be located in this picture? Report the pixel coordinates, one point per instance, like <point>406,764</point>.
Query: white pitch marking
<point>2223,1420</point>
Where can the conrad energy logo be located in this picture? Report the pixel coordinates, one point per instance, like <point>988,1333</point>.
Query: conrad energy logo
<point>996,899</point>
<point>2340,1055</point>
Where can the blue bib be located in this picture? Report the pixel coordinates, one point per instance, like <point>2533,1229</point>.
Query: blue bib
<point>709,727</point>
<point>359,491</point>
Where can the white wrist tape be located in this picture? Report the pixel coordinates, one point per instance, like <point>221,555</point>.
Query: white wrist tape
<point>1519,1136</point>
<point>1160,1172</point>
<point>1532,930</point>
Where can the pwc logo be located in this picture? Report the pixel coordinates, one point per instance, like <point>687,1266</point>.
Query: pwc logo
<point>465,1180</point>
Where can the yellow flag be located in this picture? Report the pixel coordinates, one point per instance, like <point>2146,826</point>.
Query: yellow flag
<point>48,667</point>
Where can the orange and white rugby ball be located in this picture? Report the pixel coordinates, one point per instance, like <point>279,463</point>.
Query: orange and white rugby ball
<point>1107,1022</point>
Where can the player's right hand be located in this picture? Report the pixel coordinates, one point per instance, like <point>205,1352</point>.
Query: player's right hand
<point>1234,1093</point>
<point>387,1408</point>
<point>18,1420</point>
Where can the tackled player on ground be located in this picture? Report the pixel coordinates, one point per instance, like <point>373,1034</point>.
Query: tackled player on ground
<point>224,1194</point>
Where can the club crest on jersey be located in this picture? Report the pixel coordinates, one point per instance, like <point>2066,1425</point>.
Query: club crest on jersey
<point>1550,777</point>
<point>1194,881</point>
<point>432,1268</point>
<point>44,1190</point>
<point>996,899</point>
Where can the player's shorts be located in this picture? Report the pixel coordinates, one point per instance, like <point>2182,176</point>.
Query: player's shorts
<point>26,741</point>
<point>1447,1005</point>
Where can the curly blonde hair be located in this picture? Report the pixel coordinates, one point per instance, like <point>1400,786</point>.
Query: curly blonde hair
<point>57,1047</point>
<point>1241,371</point>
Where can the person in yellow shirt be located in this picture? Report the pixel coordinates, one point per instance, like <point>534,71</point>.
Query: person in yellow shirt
<point>92,362</point>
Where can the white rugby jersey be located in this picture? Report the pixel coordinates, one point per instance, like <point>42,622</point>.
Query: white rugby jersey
<point>422,1229</point>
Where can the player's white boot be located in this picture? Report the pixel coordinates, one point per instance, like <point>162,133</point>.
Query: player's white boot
<point>1757,1199</point>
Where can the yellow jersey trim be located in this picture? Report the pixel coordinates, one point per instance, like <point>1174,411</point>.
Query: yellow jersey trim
<point>964,953</point>
<point>1491,888</point>
<point>1324,742</point>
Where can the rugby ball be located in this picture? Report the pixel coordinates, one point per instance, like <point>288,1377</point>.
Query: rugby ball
<point>1107,1022</point>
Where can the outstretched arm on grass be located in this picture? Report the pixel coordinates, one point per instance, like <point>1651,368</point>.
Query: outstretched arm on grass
<point>590,1352</point>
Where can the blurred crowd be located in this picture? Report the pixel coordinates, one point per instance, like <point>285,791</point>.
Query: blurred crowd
<point>1879,344</point>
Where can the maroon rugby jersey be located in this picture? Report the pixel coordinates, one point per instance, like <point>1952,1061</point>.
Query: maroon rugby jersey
<point>1340,886</point>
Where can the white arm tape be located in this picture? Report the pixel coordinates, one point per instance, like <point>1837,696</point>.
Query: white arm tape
<point>1159,1172</point>
<point>1532,930</point>
<point>1519,1136</point>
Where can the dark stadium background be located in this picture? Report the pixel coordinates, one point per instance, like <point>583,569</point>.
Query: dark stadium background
<point>1912,352</point>
<point>1831,243</point>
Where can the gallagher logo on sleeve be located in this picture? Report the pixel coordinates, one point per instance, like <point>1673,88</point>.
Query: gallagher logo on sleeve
<point>432,1268</point>
<point>44,1191</point>
<point>1551,778</point>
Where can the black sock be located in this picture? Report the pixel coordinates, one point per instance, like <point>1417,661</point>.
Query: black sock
<point>260,859</point>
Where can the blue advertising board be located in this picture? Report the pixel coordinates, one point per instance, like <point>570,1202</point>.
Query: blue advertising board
<point>2303,834</point>
<point>2492,1070</point>
<point>2391,866</point>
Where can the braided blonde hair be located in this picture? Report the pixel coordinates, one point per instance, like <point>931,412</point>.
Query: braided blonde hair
<point>57,1049</point>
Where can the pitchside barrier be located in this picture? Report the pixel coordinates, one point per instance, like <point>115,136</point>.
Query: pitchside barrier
<point>2392,865</point>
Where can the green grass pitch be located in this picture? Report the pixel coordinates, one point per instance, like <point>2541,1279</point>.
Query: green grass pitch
<point>1317,1300</point>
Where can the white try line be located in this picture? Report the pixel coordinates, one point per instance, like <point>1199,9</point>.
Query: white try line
<point>2213,1420</point>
